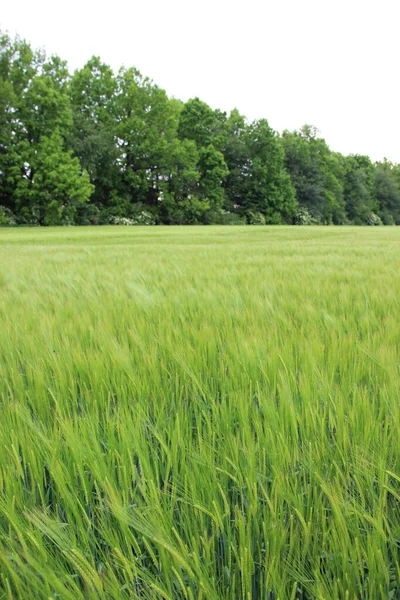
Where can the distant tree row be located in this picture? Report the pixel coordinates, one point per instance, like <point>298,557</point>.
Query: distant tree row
<point>98,147</point>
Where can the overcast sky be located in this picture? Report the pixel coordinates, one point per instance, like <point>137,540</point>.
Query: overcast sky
<point>333,64</point>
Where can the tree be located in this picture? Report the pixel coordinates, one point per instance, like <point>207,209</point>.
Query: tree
<point>93,137</point>
<point>237,157</point>
<point>200,123</point>
<point>268,189</point>
<point>179,202</point>
<point>18,66</point>
<point>174,162</point>
<point>213,171</point>
<point>52,194</point>
<point>7,157</point>
<point>388,192</point>
<point>147,124</point>
<point>316,175</point>
<point>45,105</point>
<point>359,188</point>
<point>37,109</point>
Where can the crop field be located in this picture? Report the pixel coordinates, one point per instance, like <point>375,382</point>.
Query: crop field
<point>200,413</point>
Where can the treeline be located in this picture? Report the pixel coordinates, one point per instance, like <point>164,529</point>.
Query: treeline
<point>98,147</point>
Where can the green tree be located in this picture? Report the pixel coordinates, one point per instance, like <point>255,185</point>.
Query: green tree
<point>147,124</point>
<point>51,195</point>
<point>200,123</point>
<point>359,188</point>
<point>45,105</point>
<point>388,192</point>
<point>179,201</point>
<point>213,172</point>
<point>237,157</point>
<point>316,174</point>
<point>93,137</point>
<point>18,66</point>
<point>177,162</point>
<point>268,189</point>
<point>7,157</point>
<point>36,106</point>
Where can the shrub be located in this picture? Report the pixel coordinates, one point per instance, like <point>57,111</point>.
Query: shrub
<point>302,216</point>
<point>89,214</point>
<point>373,219</point>
<point>141,218</point>
<point>255,218</point>
<point>222,217</point>
<point>386,218</point>
<point>122,221</point>
<point>7,218</point>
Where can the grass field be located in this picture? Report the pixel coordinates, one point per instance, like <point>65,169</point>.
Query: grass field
<point>200,413</point>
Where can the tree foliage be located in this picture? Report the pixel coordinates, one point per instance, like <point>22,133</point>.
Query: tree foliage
<point>97,146</point>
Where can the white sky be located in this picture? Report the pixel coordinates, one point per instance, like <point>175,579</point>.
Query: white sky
<point>333,64</point>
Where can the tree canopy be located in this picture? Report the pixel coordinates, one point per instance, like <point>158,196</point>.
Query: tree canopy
<point>94,146</point>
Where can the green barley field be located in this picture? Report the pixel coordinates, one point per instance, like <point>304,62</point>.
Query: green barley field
<point>205,413</point>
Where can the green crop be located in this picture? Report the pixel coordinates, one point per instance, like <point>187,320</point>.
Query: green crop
<point>206,413</point>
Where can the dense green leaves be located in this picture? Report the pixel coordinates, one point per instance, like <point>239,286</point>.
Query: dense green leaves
<point>58,186</point>
<point>387,186</point>
<point>359,189</point>
<point>150,158</point>
<point>268,190</point>
<point>198,122</point>
<point>42,182</point>
<point>92,138</point>
<point>316,175</point>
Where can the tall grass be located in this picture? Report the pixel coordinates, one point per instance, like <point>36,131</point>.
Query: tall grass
<point>200,413</point>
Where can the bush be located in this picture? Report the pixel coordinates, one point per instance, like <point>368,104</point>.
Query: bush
<point>255,218</point>
<point>228,218</point>
<point>144,217</point>
<point>386,218</point>
<point>134,214</point>
<point>7,218</point>
<point>141,218</point>
<point>89,214</point>
<point>222,217</point>
<point>274,218</point>
<point>303,216</point>
<point>122,221</point>
<point>373,219</point>
<point>28,216</point>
